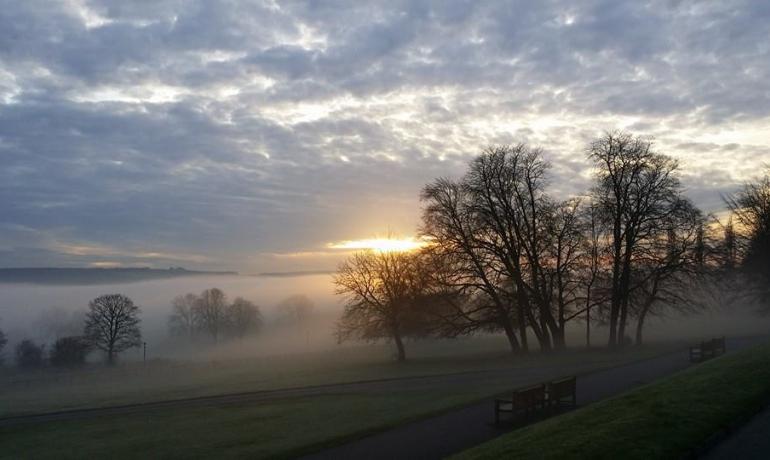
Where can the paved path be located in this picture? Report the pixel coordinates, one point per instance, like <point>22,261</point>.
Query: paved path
<point>752,441</point>
<point>443,435</point>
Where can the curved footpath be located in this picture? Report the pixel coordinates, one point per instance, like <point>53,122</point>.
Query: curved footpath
<point>453,432</point>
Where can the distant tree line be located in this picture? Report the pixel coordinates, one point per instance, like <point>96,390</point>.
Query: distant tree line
<point>210,315</point>
<point>504,256</point>
<point>111,325</point>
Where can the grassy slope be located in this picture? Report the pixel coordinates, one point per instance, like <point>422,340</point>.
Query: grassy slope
<point>267,430</point>
<point>278,428</point>
<point>662,420</point>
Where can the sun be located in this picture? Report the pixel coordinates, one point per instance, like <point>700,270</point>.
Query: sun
<point>381,244</point>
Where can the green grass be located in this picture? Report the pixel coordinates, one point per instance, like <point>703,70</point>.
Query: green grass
<point>280,428</point>
<point>46,391</point>
<point>274,429</point>
<point>666,419</point>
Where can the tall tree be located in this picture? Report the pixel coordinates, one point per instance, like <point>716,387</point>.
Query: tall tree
<point>183,321</point>
<point>751,209</point>
<point>112,324</point>
<point>243,318</point>
<point>211,312</point>
<point>667,269</point>
<point>295,309</point>
<point>3,342</point>
<point>637,189</point>
<point>512,247</point>
<point>383,292</point>
<point>489,296</point>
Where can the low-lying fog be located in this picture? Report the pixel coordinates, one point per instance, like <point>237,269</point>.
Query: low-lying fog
<point>45,312</point>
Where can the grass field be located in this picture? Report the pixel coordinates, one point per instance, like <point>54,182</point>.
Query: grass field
<point>47,390</point>
<point>662,420</point>
<point>285,427</point>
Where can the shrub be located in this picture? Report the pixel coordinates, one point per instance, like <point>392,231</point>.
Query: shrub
<point>29,355</point>
<point>69,352</point>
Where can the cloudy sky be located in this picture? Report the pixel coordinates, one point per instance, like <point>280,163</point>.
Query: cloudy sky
<point>251,135</point>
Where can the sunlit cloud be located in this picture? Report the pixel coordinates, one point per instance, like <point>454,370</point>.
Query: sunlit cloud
<point>380,244</point>
<point>197,133</point>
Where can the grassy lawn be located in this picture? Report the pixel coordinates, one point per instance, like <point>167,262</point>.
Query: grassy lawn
<point>279,428</point>
<point>47,390</point>
<point>661,420</point>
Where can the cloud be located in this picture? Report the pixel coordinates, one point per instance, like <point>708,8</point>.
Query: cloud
<point>204,130</point>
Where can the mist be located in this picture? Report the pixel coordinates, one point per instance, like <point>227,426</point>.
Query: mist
<point>45,313</point>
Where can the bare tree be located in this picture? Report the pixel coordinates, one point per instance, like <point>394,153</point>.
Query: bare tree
<point>243,318</point>
<point>488,296</point>
<point>3,342</point>
<point>112,324</point>
<point>636,190</point>
<point>751,208</point>
<point>295,309</point>
<point>667,270</point>
<point>69,352</point>
<point>564,261</point>
<point>383,292</point>
<point>183,321</point>
<point>512,247</point>
<point>29,355</point>
<point>211,312</point>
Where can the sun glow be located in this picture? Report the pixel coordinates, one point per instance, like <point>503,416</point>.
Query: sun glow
<point>381,244</point>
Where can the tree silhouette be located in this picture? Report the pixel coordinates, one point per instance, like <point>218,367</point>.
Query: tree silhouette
<point>383,291</point>
<point>112,324</point>
<point>243,318</point>
<point>183,321</point>
<point>211,312</point>
<point>3,342</point>
<point>751,208</point>
<point>636,191</point>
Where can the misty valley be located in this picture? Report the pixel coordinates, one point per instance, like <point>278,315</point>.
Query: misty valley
<point>378,230</point>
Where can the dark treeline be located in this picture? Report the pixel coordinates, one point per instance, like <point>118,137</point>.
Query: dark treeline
<point>110,325</point>
<point>210,314</point>
<point>503,255</point>
<point>209,318</point>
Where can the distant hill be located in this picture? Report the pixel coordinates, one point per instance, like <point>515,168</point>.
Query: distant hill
<point>86,276</point>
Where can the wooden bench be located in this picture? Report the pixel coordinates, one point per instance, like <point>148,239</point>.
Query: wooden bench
<point>707,349</point>
<point>562,392</point>
<point>523,400</point>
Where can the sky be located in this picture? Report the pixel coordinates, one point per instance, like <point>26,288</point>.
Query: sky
<point>260,136</point>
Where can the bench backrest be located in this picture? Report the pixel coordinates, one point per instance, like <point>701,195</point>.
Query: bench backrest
<point>718,343</point>
<point>528,397</point>
<point>563,387</point>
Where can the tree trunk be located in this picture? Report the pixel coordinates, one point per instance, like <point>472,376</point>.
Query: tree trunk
<point>559,343</point>
<point>523,332</point>
<point>588,327</point>
<point>545,338</point>
<point>640,326</point>
<point>110,355</point>
<point>400,346</point>
<point>512,340</point>
<point>622,324</point>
